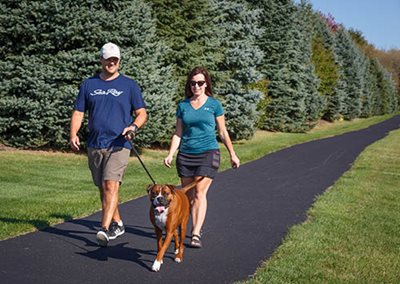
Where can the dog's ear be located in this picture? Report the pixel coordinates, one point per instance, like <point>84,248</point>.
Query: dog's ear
<point>172,188</point>
<point>149,187</point>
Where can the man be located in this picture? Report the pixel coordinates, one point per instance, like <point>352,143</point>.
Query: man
<point>111,99</point>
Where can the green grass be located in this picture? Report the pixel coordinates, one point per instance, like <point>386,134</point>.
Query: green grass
<point>352,234</point>
<point>38,189</point>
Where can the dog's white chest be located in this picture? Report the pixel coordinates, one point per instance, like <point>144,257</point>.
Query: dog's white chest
<point>161,219</point>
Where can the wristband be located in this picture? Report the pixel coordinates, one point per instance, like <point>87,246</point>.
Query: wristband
<point>131,133</point>
<point>135,127</point>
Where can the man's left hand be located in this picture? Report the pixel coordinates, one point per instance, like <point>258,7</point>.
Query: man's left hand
<point>130,132</point>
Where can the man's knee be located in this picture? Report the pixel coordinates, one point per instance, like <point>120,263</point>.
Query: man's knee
<point>110,186</point>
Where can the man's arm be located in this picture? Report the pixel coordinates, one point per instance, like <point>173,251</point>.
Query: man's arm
<point>76,122</point>
<point>141,117</point>
<point>140,120</point>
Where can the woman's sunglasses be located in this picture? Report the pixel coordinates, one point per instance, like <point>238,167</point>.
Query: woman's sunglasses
<point>198,83</point>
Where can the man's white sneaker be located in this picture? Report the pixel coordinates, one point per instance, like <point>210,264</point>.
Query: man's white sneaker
<point>102,238</point>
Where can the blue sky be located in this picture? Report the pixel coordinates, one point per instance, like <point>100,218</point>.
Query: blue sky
<point>378,20</point>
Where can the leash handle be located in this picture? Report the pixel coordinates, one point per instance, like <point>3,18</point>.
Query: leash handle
<point>144,167</point>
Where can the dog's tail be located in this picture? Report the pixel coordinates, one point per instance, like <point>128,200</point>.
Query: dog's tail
<point>191,185</point>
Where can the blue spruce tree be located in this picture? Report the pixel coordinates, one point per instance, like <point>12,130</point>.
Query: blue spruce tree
<point>350,62</point>
<point>56,47</point>
<point>236,24</point>
<point>294,104</point>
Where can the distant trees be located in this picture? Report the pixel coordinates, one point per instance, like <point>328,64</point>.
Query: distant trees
<point>275,65</point>
<point>381,93</point>
<point>391,61</point>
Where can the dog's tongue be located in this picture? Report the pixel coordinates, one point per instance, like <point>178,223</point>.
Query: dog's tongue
<point>160,209</point>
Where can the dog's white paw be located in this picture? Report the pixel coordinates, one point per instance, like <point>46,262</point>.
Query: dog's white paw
<point>178,260</point>
<point>156,265</point>
<point>176,251</point>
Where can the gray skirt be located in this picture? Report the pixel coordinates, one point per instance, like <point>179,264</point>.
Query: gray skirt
<point>205,164</point>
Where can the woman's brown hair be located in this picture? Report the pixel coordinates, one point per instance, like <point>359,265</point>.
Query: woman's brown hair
<point>195,71</point>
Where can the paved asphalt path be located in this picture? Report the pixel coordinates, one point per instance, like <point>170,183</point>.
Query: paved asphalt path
<point>250,211</point>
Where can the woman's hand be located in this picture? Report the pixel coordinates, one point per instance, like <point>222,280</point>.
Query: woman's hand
<point>168,161</point>
<point>235,162</point>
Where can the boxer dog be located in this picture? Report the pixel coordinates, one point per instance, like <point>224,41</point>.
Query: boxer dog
<point>169,210</point>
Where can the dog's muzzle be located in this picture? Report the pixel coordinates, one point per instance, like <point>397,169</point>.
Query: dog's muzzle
<point>159,204</point>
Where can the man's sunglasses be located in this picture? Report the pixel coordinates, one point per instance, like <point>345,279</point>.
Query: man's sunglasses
<point>198,83</point>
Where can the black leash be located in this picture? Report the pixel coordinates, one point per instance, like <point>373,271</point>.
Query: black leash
<point>138,156</point>
<point>144,167</point>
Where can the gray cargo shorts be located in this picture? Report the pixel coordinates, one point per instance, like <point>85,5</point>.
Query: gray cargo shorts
<point>108,164</point>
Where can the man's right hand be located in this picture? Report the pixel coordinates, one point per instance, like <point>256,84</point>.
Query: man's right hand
<point>75,143</point>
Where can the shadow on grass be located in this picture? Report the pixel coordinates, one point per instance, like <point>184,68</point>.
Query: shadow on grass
<point>37,223</point>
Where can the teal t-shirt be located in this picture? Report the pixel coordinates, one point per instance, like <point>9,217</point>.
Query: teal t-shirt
<point>198,126</point>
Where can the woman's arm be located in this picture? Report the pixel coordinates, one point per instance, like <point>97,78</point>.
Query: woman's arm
<point>175,141</point>
<point>224,136</point>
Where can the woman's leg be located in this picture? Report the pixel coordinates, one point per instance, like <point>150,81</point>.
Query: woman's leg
<point>199,204</point>
<point>190,194</point>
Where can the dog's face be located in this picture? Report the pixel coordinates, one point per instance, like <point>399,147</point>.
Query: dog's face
<point>161,196</point>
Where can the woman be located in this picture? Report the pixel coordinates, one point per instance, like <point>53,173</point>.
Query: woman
<point>199,156</point>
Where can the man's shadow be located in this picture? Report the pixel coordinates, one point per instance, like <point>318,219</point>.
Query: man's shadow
<point>85,238</point>
<point>120,251</point>
<point>87,241</point>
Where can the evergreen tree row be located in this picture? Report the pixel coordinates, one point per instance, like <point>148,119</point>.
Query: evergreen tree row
<point>275,65</point>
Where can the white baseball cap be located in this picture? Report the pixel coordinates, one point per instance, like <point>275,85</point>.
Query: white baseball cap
<point>110,50</point>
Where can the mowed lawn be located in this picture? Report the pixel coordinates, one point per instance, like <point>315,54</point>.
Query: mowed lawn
<point>352,234</point>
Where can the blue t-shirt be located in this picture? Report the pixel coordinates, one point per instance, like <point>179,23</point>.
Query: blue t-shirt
<point>111,105</point>
<point>199,126</point>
